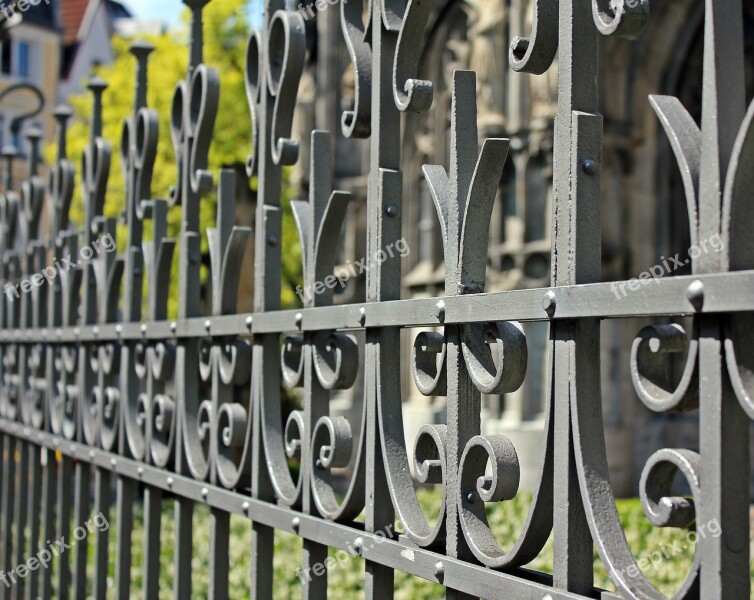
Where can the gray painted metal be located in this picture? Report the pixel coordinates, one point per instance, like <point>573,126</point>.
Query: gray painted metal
<point>95,393</point>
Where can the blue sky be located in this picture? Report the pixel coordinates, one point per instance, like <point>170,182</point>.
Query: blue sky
<point>169,11</point>
<point>164,10</point>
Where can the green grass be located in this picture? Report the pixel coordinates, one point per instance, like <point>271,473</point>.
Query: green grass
<point>345,583</point>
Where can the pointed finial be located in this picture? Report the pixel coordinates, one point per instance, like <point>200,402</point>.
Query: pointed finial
<point>62,114</point>
<point>96,86</point>
<point>197,32</point>
<point>34,136</point>
<point>141,50</point>
<point>9,154</point>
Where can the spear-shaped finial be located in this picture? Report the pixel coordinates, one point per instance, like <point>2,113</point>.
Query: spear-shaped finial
<point>62,114</point>
<point>97,87</point>
<point>34,137</point>
<point>196,45</point>
<point>9,154</point>
<point>141,50</point>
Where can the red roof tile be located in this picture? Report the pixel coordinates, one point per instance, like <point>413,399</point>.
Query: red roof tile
<point>72,14</point>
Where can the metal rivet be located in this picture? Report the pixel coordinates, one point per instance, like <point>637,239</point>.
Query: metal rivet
<point>358,545</point>
<point>249,322</point>
<point>440,310</point>
<point>299,320</point>
<point>296,524</point>
<point>245,507</point>
<point>95,330</point>
<point>439,569</point>
<point>144,328</point>
<point>318,464</point>
<point>695,294</point>
<point>92,454</point>
<point>207,324</point>
<point>589,166</point>
<point>471,497</point>
<point>362,315</point>
<point>391,210</point>
<point>173,326</point>
<point>140,471</point>
<point>119,329</point>
<point>113,462</point>
<point>549,303</point>
<point>169,481</point>
<point>205,493</point>
<point>272,241</point>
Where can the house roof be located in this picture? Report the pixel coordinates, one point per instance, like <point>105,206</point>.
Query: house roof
<point>72,13</point>
<point>75,16</point>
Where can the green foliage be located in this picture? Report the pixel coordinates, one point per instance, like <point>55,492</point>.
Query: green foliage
<point>226,31</point>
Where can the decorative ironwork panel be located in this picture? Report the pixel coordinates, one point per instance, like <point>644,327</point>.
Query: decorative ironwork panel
<point>95,392</point>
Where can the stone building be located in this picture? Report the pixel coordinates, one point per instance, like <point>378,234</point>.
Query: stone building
<point>644,214</point>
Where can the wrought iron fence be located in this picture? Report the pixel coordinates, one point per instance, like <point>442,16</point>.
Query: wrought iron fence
<point>95,391</point>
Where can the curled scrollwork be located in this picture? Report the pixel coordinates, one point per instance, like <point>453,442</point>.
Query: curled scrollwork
<point>331,447</point>
<point>356,123</point>
<point>661,508</point>
<point>625,18</point>
<point>162,433</point>
<point>410,94</point>
<point>476,488</point>
<point>286,48</point>
<point>292,362</point>
<point>535,54</point>
<point>336,360</point>
<point>739,357</point>
<point>496,356</point>
<point>649,372</point>
<point>429,364</point>
<point>294,434</point>
<point>252,73</point>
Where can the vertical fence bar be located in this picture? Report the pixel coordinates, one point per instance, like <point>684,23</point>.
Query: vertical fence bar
<point>152,529</point>
<point>577,90</point>
<point>81,512</point>
<point>383,284</point>
<point>8,498</point>
<point>35,503</point>
<point>22,506</point>
<point>219,559</point>
<point>184,515</point>
<point>126,493</point>
<point>49,487</point>
<point>65,472</point>
<point>102,492</point>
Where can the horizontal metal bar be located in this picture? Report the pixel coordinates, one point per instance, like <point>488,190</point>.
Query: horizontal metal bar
<point>399,553</point>
<point>723,293</point>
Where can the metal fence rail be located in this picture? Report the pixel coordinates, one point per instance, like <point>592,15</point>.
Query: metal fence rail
<point>96,394</point>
